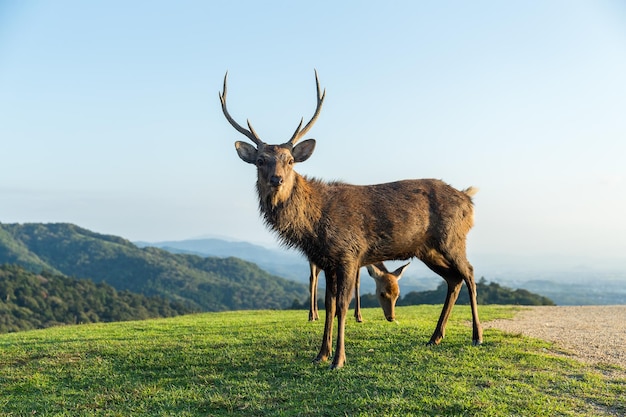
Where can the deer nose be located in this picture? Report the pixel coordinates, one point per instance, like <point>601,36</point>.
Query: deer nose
<point>276,180</point>
<point>390,318</point>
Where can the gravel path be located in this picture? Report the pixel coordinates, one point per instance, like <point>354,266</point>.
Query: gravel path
<point>592,334</point>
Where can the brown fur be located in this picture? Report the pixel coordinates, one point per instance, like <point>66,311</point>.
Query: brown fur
<point>387,288</point>
<point>342,227</point>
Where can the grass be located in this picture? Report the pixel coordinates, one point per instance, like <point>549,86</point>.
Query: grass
<point>258,363</point>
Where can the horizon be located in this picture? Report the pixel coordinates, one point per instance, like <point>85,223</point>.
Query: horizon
<point>110,117</point>
<point>578,285</point>
<point>545,263</point>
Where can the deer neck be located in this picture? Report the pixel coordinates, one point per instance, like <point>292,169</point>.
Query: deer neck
<point>294,214</point>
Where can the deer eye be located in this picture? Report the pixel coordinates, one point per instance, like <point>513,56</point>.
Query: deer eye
<point>260,162</point>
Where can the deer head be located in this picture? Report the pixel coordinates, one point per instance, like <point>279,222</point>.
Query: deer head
<point>275,174</point>
<point>387,289</point>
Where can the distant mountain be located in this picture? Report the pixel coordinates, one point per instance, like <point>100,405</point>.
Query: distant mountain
<point>590,292</point>
<point>14,251</point>
<point>572,285</point>
<point>35,301</point>
<point>566,279</point>
<point>204,283</point>
<point>487,293</point>
<point>286,263</point>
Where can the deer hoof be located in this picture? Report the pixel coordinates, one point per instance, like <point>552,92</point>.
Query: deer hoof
<point>432,342</point>
<point>477,342</point>
<point>319,359</point>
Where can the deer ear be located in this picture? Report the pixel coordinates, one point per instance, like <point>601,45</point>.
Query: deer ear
<point>302,151</point>
<point>398,272</point>
<point>246,152</point>
<point>374,271</point>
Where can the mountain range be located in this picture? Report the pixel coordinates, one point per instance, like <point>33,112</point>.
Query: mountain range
<point>566,280</point>
<point>286,263</point>
<point>202,283</point>
<point>210,274</point>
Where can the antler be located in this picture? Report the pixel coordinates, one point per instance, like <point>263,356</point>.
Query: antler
<point>297,135</point>
<point>250,134</point>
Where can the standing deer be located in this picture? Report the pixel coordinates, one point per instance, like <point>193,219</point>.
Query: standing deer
<point>342,227</point>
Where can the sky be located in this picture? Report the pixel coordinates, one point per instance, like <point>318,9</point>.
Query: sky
<point>110,117</point>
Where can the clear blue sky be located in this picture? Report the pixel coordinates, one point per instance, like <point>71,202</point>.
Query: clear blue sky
<point>110,118</point>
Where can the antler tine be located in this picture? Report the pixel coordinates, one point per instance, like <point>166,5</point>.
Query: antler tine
<point>250,134</point>
<point>297,135</point>
<point>253,132</point>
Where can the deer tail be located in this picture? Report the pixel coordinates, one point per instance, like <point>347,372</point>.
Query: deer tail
<point>470,191</point>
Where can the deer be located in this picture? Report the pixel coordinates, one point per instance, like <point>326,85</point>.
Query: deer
<point>387,290</point>
<point>341,227</point>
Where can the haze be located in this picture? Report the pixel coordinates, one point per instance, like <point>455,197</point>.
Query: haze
<point>110,118</point>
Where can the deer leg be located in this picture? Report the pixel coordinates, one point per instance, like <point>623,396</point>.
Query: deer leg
<point>477,330</point>
<point>460,267</point>
<point>345,283</point>
<point>455,270</point>
<point>330,305</point>
<point>439,264</point>
<point>454,287</point>
<point>357,298</point>
<point>313,278</point>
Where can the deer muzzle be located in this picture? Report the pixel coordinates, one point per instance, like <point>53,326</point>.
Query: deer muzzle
<point>276,180</point>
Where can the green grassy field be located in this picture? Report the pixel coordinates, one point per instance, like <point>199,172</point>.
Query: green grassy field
<point>258,363</point>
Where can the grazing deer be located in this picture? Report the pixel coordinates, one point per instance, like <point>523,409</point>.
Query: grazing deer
<point>342,227</point>
<point>313,279</point>
<point>387,288</point>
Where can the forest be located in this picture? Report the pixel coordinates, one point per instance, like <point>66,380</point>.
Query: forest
<point>202,283</point>
<point>35,301</point>
<point>59,273</point>
<point>487,293</point>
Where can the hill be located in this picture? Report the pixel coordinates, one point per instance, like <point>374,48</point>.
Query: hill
<point>282,262</point>
<point>206,284</point>
<point>600,283</point>
<point>486,294</point>
<point>288,263</point>
<point>35,301</point>
<point>258,363</point>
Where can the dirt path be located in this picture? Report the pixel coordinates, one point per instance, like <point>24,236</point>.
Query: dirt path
<point>593,334</point>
